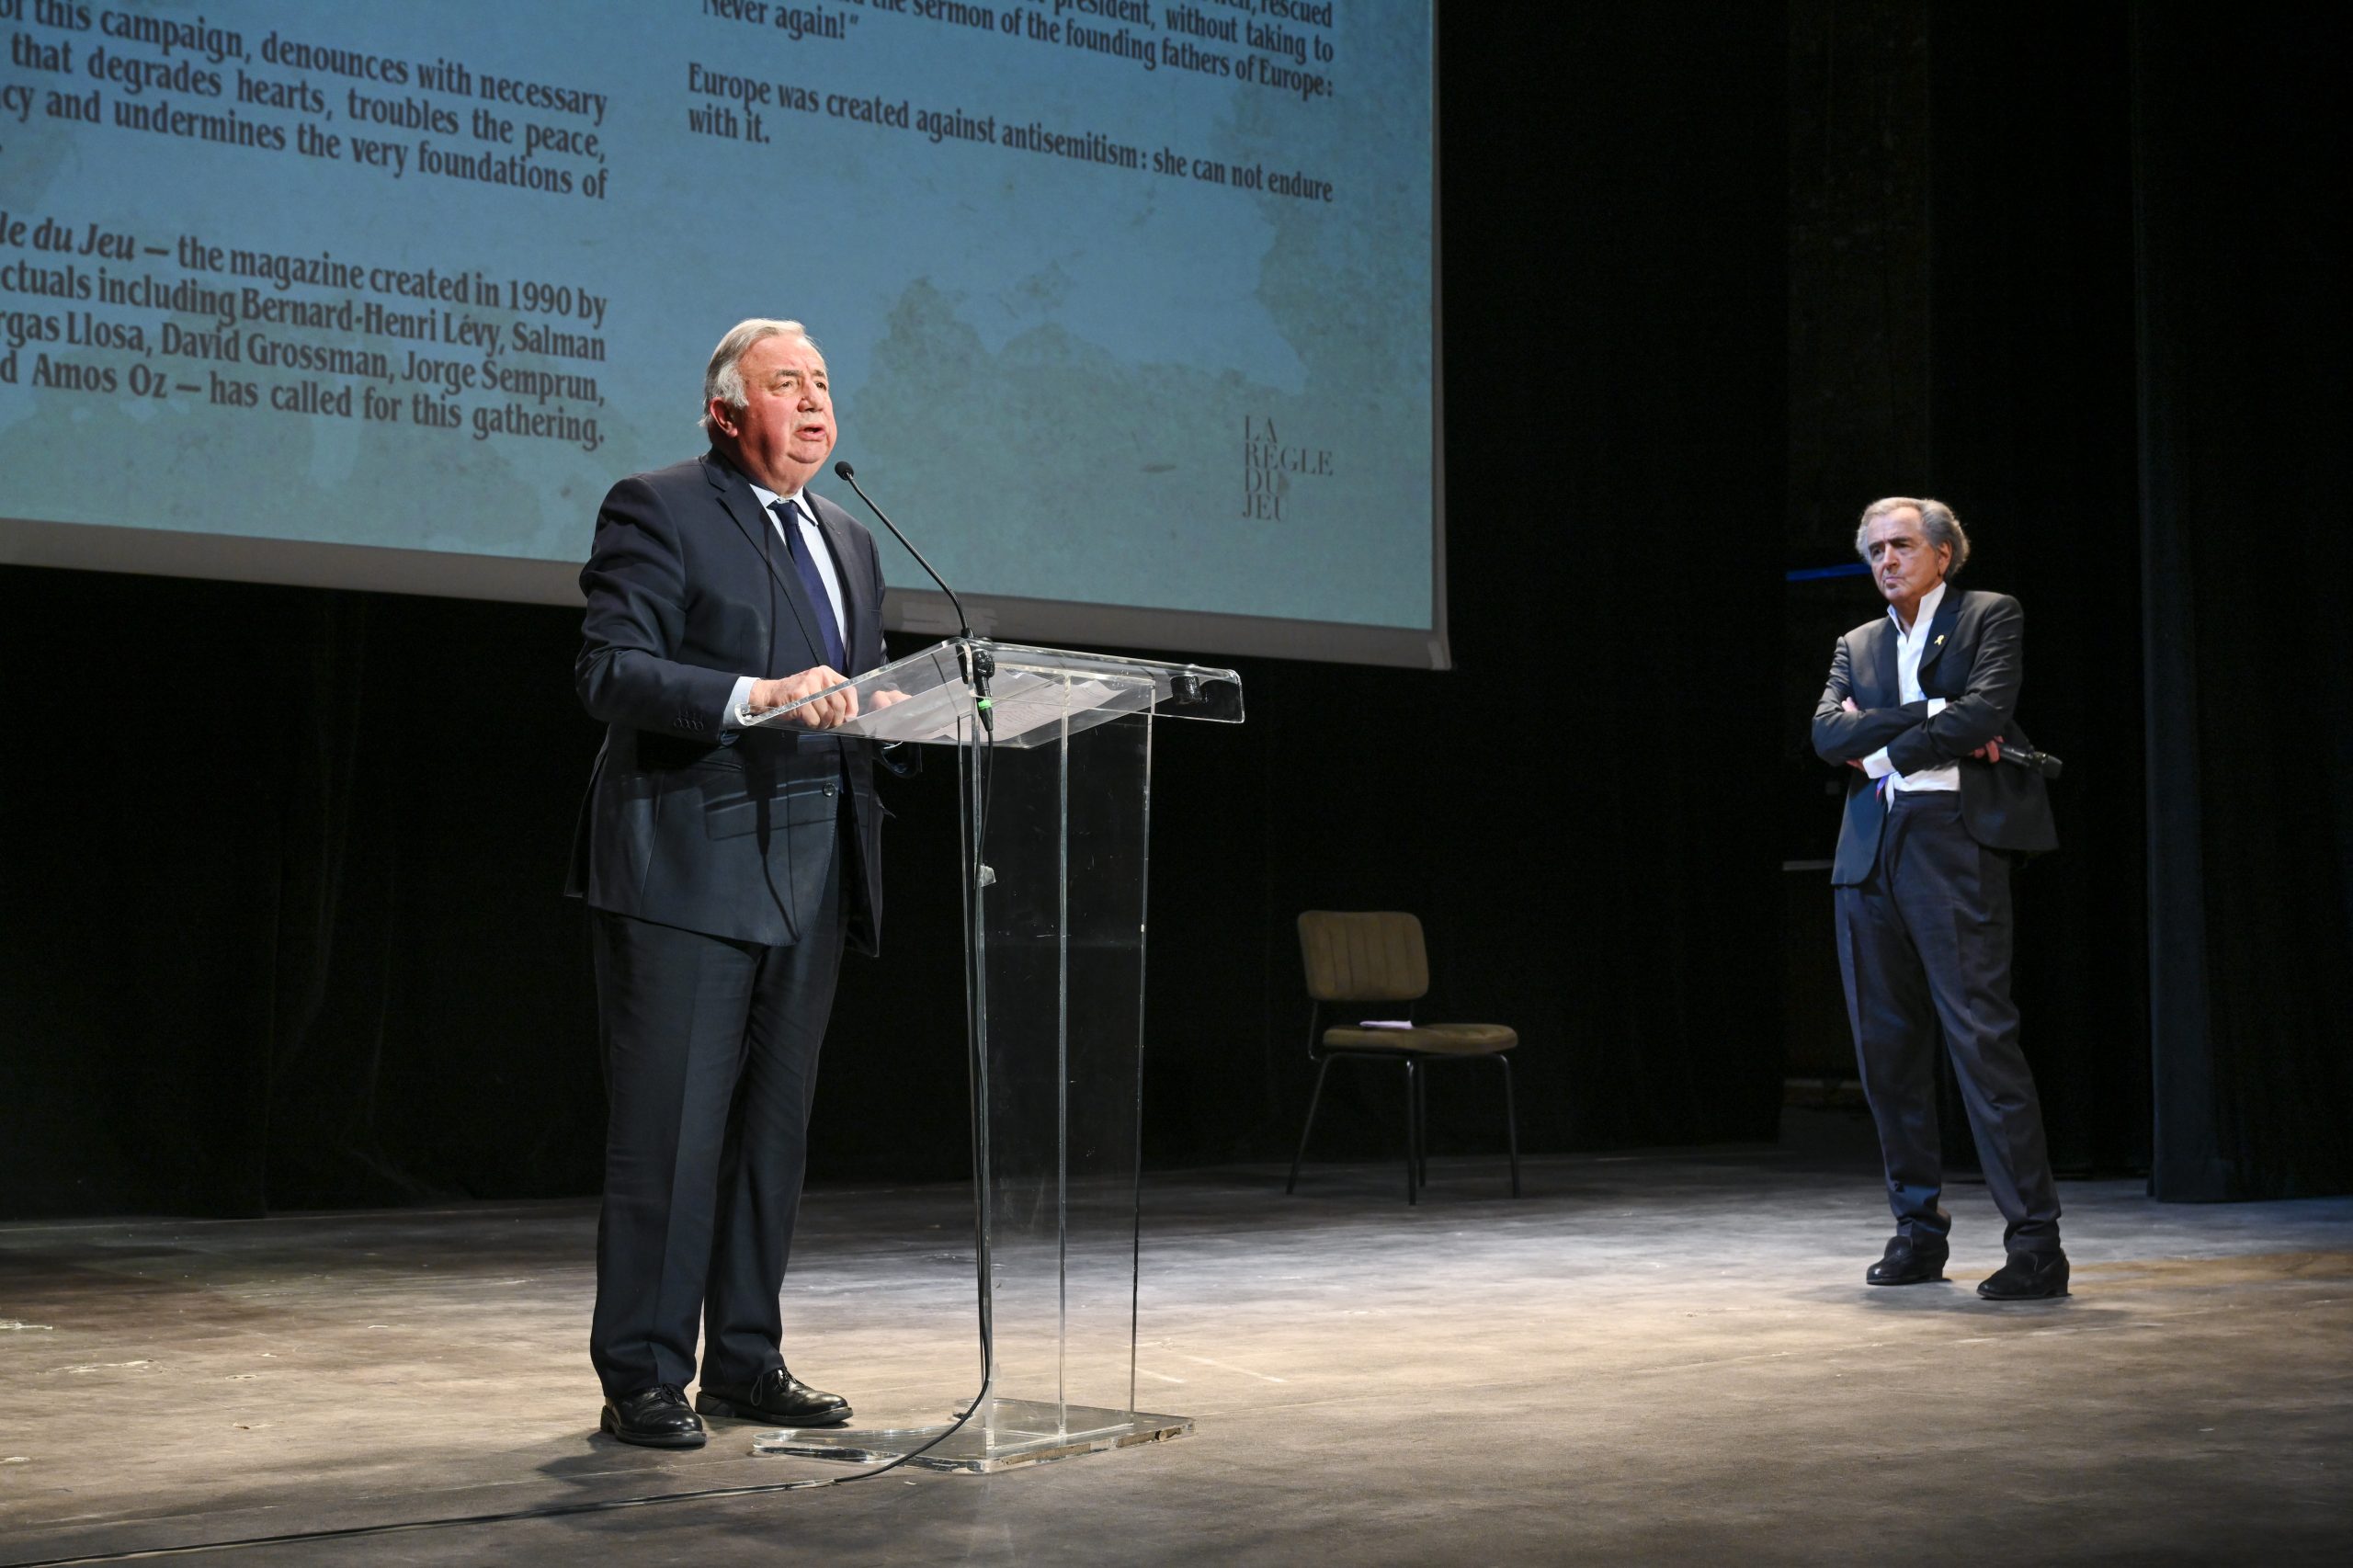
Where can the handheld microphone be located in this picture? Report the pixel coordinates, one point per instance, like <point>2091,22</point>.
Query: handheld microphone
<point>977,661</point>
<point>2042,762</point>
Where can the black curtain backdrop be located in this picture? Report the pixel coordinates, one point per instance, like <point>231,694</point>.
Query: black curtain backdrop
<point>2135,365</point>
<point>1966,331</point>
<point>2032,437</point>
<point>282,921</point>
<point>2240,148</point>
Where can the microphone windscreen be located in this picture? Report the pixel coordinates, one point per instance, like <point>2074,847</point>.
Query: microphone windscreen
<point>845,470</point>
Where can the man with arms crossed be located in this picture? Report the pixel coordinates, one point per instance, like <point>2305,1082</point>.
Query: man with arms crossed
<point>1919,705</point>
<point>726,868</point>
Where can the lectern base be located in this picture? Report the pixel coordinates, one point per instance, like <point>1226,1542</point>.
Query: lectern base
<point>1020,1431</point>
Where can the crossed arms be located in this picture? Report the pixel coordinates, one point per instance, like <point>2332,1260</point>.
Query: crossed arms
<point>1919,735</point>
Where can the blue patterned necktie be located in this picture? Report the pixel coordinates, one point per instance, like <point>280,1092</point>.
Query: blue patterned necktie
<point>812,580</point>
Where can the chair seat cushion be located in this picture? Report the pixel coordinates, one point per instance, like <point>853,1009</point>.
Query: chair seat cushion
<point>1431,1040</point>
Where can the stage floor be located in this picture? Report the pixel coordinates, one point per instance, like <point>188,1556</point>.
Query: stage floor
<point>1663,1357</point>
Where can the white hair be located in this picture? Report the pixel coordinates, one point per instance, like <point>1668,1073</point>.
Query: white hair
<point>723,379</point>
<point>1937,526</point>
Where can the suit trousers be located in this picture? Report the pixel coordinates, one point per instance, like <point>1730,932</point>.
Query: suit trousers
<point>1923,944</point>
<point>710,1065</point>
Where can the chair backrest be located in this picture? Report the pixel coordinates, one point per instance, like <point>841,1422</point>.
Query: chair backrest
<point>1363,956</point>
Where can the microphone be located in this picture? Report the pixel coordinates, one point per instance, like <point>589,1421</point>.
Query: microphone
<point>2042,762</point>
<point>979,662</point>
<point>849,477</point>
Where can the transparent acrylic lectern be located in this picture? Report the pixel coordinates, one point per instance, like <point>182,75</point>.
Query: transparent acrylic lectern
<point>1054,760</point>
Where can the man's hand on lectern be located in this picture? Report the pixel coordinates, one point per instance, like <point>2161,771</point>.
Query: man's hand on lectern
<point>837,709</point>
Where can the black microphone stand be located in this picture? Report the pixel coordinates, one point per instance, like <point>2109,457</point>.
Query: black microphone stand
<point>979,664</point>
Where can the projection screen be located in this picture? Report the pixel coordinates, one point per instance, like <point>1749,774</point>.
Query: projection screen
<point>1130,307</point>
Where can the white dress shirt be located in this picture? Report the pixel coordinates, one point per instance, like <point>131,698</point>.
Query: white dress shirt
<point>1909,646</point>
<point>813,539</point>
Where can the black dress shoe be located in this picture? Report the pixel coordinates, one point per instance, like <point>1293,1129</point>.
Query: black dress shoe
<point>653,1419</point>
<point>777,1397</point>
<point>1909,1263</point>
<point>2028,1277</point>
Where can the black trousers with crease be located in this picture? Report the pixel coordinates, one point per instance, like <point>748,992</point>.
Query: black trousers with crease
<point>1923,946</point>
<point>710,1065</point>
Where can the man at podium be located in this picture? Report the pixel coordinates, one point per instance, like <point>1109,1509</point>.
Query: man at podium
<point>726,868</point>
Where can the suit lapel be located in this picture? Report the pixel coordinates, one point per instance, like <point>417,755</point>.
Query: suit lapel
<point>1891,686</point>
<point>1940,627</point>
<point>744,508</point>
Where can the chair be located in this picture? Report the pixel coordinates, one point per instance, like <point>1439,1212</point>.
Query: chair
<point>1368,957</point>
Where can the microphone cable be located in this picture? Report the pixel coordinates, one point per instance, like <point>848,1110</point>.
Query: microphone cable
<point>977,876</point>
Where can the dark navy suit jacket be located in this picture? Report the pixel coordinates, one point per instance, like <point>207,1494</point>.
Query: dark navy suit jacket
<point>1975,660</point>
<point>689,824</point>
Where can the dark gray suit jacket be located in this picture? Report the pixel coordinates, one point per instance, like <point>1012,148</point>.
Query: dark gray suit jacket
<point>687,823</point>
<point>1975,660</point>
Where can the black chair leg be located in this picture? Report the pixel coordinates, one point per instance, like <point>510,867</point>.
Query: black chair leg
<point>1511,1123</point>
<point>1413,1134</point>
<point>1422,1122</point>
<point>1313,1100</point>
